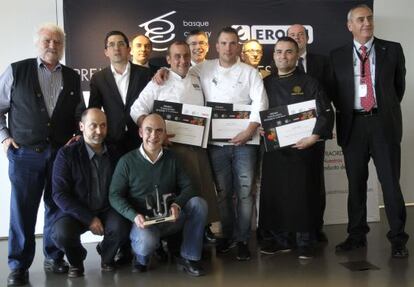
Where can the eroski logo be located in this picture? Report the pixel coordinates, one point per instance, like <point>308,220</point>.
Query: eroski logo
<point>159,30</point>
<point>267,34</point>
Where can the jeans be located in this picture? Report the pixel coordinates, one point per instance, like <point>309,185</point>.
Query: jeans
<point>233,168</point>
<point>30,174</point>
<point>192,220</point>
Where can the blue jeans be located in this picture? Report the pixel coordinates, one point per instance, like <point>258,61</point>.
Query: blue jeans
<point>192,220</point>
<point>233,168</point>
<point>30,174</point>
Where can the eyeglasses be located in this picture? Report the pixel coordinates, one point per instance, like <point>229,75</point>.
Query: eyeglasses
<point>120,44</point>
<point>201,43</point>
<point>253,51</point>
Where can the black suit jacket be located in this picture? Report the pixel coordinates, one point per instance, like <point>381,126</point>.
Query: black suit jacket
<point>317,66</point>
<point>71,181</point>
<point>389,88</point>
<point>104,93</point>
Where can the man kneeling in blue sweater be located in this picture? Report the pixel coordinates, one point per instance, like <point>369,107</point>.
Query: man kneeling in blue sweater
<point>136,176</point>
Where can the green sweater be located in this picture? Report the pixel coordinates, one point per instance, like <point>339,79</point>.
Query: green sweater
<point>135,177</point>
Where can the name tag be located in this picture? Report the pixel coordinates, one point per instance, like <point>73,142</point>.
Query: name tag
<point>362,92</point>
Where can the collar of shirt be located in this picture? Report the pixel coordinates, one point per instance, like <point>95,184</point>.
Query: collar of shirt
<point>146,65</point>
<point>144,154</point>
<point>40,64</point>
<point>176,76</point>
<point>126,72</point>
<point>91,152</point>
<point>193,63</point>
<point>367,44</point>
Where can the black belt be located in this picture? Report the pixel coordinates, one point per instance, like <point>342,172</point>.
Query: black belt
<point>365,113</point>
<point>37,148</point>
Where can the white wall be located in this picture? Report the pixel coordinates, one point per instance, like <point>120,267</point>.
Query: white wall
<point>394,21</point>
<point>19,18</point>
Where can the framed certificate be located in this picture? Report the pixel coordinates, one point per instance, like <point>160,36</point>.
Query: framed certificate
<point>286,125</point>
<point>189,123</point>
<point>228,120</point>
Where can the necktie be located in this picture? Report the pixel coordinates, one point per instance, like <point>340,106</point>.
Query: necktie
<point>368,101</point>
<point>301,67</point>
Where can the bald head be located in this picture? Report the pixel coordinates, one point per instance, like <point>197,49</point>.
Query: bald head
<point>153,118</point>
<point>141,49</point>
<point>153,133</point>
<point>94,127</point>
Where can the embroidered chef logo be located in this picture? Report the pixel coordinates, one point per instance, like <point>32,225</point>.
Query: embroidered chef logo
<point>297,91</point>
<point>196,86</point>
<point>159,30</point>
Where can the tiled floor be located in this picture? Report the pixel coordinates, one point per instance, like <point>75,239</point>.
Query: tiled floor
<point>276,270</point>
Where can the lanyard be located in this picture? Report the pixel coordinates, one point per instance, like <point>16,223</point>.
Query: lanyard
<point>363,59</point>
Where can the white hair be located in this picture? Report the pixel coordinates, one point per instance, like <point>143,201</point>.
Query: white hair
<point>49,27</point>
<point>349,15</point>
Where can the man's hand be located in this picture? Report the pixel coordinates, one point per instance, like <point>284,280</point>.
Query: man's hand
<point>73,139</point>
<point>175,210</point>
<point>246,135</point>
<point>96,226</point>
<point>7,142</point>
<point>161,76</point>
<point>306,142</point>
<point>167,141</point>
<point>139,221</point>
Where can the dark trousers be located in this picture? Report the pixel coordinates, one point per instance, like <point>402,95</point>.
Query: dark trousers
<point>367,141</point>
<point>322,194</point>
<point>289,239</point>
<point>66,232</point>
<point>30,174</point>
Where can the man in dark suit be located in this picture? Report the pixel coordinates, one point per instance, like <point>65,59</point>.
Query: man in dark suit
<point>81,176</point>
<point>316,66</point>
<point>43,101</point>
<point>368,83</point>
<point>115,88</point>
<point>312,64</point>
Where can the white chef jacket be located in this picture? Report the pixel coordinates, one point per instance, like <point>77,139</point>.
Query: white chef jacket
<point>238,84</point>
<point>185,90</point>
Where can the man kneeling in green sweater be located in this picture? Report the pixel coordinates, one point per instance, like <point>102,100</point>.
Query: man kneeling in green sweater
<point>136,176</point>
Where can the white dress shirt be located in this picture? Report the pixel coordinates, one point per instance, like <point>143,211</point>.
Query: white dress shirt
<point>357,71</point>
<point>122,81</point>
<point>144,154</point>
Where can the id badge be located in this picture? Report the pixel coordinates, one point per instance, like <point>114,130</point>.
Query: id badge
<point>362,90</point>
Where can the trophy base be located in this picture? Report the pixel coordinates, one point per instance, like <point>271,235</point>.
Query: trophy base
<point>153,221</point>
